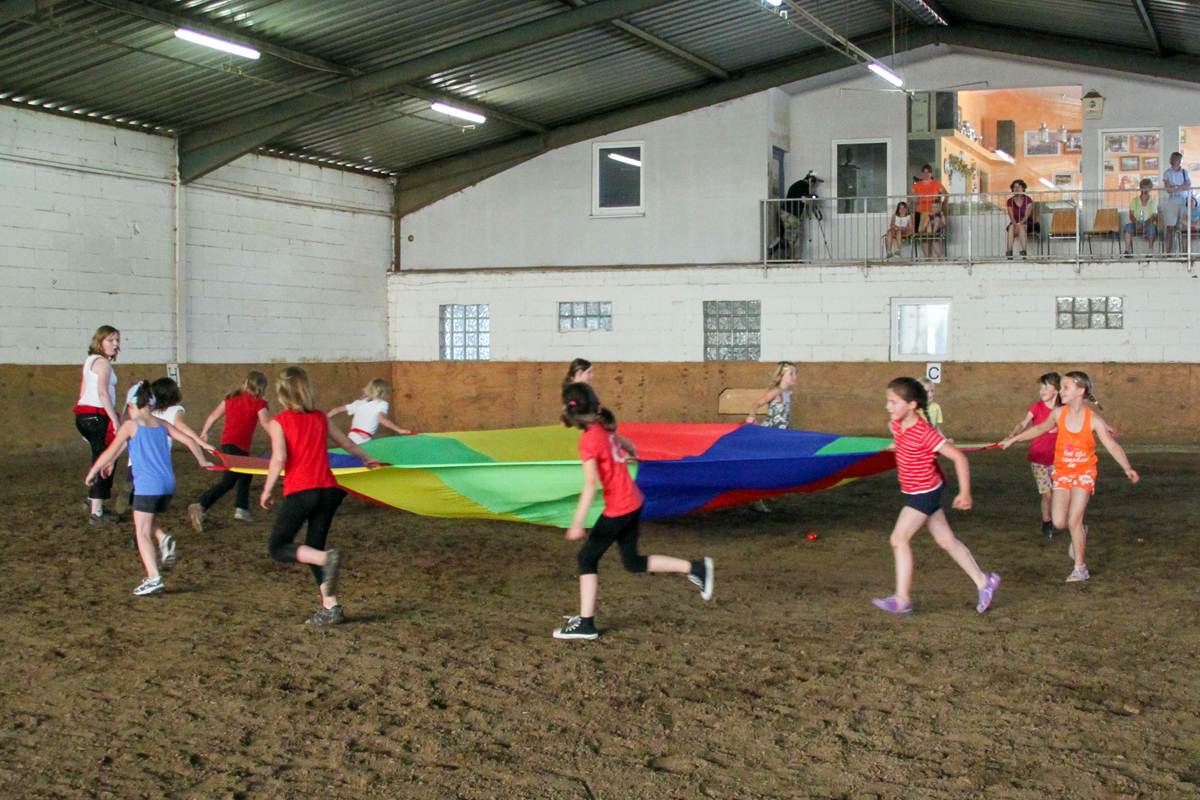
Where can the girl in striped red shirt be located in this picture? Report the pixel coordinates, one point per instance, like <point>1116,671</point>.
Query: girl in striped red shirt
<point>917,445</point>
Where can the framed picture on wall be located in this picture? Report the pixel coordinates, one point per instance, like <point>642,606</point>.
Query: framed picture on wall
<point>1130,163</point>
<point>1110,165</point>
<point>1155,179</point>
<point>1034,146</point>
<point>1063,179</point>
<point>1116,143</point>
<point>1130,181</point>
<point>1074,142</point>
<point>1145,143</point>
<point>1149,162</point>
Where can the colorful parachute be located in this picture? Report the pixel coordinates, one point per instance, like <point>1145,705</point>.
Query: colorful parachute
<point>534,474</point>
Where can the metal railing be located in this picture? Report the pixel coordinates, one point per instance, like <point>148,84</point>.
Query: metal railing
<point>1072,226</point>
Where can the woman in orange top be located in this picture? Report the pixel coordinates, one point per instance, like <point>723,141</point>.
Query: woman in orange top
<point>1075,460</point>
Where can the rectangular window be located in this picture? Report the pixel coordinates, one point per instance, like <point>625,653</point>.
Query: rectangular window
<point>920,328</point>
<point>732,330</point>
<point>1089,312</point>
<point>861,174</point>
<point>466,333</point>
<point>585,316</point>
<point>617,179</point>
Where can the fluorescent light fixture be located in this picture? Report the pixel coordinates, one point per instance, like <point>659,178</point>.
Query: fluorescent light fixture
<point>1046,183</point>
<point>886,74</point>
<point>469,116</point>
<point>214,43</point>
<point>1005,157</point>
<point>633,162</point>
<point>774,3</point>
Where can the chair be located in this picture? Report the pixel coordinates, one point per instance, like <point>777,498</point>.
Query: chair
<point>926,239</point>
<point>1106,224</point>
<point>1062,224</point>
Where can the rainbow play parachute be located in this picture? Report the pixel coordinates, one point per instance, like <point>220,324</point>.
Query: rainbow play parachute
<point>534,474</point>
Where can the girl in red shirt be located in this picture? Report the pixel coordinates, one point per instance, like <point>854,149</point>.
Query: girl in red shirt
<point>605,455</point>
<point>1075,461</point>
<point>1041,450</point>
<point>241,409</point>
<point>310,492</point>
<point>917,445</point>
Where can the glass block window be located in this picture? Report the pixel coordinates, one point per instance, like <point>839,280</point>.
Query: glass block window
<point>732,330</point>
<point>466,333</point>
<point>920,328</point>
<point>585,316</point>
<point>1089,312</point>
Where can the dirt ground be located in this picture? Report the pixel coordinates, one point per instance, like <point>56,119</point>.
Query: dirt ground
<point>445,682</point>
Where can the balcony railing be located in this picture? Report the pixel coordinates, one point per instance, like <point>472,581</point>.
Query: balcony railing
<point>1073,226</point>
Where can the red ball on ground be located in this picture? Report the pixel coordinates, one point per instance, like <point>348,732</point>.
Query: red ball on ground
<point>812,536</point>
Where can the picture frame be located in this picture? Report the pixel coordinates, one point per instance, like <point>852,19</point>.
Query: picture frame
<point>1063,180</point>
<point>1116,143</point>
<point>1155,179</point>
<point>1145,143</point>
<point>1110,165</point>
<point>1150,162</point>
<point>1034,146</point>
<point>1130,181</point>
<point>1130,163</point>
<point>1074,142</point>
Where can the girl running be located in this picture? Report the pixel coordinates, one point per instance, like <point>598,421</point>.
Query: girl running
<point>168,406</point>
<point>149,440</point>
<point>96,416</point>
<point>917,445</point>
<point>241,409</point>
<point>579,371</point>
<point>310,492</point>
<point>1041,449</point>
<point>605,460</point>
<point>1075,461</point>
<point>369,412</point>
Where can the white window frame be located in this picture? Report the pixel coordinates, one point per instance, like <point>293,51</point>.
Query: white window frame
<point>896,304</point>
<point>832,182</point>
<point>623,211</point>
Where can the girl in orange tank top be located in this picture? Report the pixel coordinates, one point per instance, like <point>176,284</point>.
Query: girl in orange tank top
<point>1075,461</point>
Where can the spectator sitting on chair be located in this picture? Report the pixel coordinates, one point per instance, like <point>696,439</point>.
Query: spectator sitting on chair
<point>1143,216</point>
<point>924,191</point>
<point>1020,209</point>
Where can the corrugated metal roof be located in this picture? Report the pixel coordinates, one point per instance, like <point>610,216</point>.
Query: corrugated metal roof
<point>89,59</point>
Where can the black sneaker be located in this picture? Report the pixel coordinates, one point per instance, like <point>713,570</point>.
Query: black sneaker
<point>577,628</point>
<point>1048,529</point>
<point>329,574</point>
<point>702,576</point>
<point>327,616</point>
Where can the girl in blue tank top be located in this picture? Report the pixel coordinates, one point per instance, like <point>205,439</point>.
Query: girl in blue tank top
<point>149,442</point>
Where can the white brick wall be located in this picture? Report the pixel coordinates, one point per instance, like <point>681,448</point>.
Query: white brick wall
<point>287,261</point>
<point>86,238</point>
<point>1000,312</point>
<point>284,261</point>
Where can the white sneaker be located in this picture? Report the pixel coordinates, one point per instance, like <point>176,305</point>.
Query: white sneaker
<point>166,553</point>
<point>149,586</point>
<point>702,576</point>
<point>1078,574</point>
<point>241,515</point>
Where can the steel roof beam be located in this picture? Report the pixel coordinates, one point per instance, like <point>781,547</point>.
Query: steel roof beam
<point>208,148</point>
<point>1151,32</point>
<point>429,183</point>
<point>661,44</point>
<point>16,9</point>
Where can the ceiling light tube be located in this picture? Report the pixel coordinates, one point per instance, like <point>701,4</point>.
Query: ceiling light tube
<point>886,74</point>
<point>469,116</point>
<point>633,162</point>
<point>774,3</point>
<point>1047,183</point>
<point>214,43</point>
<point>1005,157</point>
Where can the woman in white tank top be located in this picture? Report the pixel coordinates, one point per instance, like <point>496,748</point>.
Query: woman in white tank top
<point>95,414</point>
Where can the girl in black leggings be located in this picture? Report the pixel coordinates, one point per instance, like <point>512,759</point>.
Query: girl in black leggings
<point>605,454</point>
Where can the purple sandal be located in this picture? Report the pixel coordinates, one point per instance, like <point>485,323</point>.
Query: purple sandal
<point>892,605</point>
<point>985,593</point>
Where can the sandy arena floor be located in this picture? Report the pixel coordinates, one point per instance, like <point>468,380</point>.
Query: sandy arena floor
<point>445,682</point>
